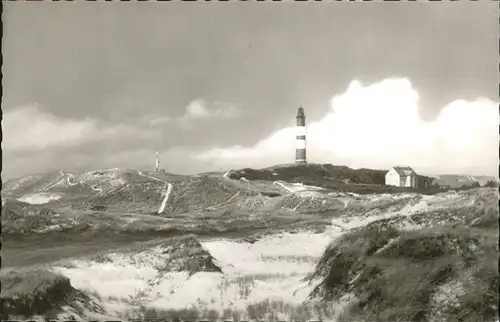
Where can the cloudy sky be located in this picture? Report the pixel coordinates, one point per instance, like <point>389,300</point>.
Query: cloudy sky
<point>216,85</point>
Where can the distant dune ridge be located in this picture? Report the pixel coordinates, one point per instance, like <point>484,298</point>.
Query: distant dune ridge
<point>287,242</point>
<point>454,180</point>
<point>104,181</point>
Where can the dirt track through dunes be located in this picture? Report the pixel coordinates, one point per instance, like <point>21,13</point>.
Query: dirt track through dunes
<point>166,192</point>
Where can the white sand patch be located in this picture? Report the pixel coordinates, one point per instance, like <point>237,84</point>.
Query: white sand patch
<point>48,228</point>
<point>117,275</point>
<point>68,181</point>
<point>271,268</point>
<point>124,281</point>
<point>303,187</point>
<point>165,199</point>
<point>48,186</point>
<point>445,297</point>
<point>355,222</point>
<point>283,185</point>
<point>426,203</point>
<point>99,180</point>
<point>117,182</point>
<point>178,291</point>
<point>309,194</point>
<point>296,187</point>
<point>39,198</point>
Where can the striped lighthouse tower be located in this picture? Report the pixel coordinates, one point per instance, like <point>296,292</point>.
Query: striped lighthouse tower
<point>300,152</point>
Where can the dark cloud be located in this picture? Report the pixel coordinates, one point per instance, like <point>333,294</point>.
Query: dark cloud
<point>120,62</point>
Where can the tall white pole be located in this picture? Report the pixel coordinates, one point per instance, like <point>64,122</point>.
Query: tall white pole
<point>157,162</point>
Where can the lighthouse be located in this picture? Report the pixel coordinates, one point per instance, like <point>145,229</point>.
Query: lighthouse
<point>157,162</point>
<point>300,152</point>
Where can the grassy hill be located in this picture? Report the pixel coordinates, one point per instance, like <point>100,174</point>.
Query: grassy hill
<point>332,177</point>
<point>447,271</point>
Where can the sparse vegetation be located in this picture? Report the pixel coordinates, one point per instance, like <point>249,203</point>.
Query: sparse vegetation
<point>339,178</point>
<point>37,292</point>
<point>397,275</point>
<point>187,254</point>
<point>313,172</point>
<point>491,184</point>
<point>267,310</point>
<point>393,274</point>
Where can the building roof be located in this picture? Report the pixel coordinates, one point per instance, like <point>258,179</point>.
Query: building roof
<point>404,171</point>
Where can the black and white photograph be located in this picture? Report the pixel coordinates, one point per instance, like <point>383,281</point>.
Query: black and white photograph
<point>250,161</point>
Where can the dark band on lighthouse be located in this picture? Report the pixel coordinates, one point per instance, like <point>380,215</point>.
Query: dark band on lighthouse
<point>300,152</point>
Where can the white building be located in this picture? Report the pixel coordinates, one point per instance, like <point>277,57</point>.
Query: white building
<point>401,177</point>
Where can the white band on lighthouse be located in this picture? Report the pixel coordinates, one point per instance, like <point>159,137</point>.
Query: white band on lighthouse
<point>300,144</point>
<point>300,138</point>
<point>301,130</point>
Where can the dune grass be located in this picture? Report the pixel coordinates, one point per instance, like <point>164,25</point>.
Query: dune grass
<point>38,292</point>
<point>335,178</point>
<point>400,275</point>
<point>268,310</point>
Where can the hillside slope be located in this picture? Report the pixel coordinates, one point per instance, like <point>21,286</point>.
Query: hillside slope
<point>436,265</point>
<point>456,181</point>
<point>331,177</point>
<point>271,244</point>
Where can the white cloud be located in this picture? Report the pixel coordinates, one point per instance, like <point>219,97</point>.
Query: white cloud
<point>378,126</point>
<point>30,128</point>
<point>200,109</point>
<point>197,109</point>
<point>158,120</point>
